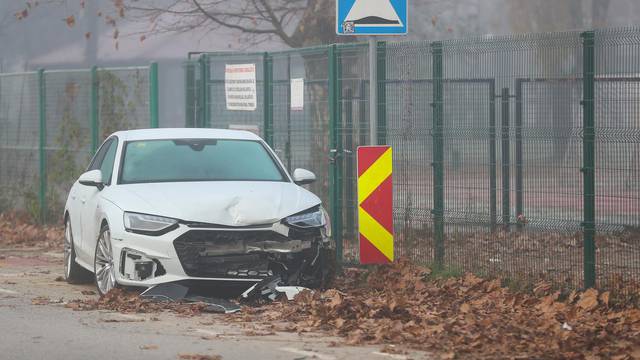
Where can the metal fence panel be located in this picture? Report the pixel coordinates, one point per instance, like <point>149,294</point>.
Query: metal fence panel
<point>617,159</point>
<point>68,135</point>
<point>19,129</point>
<point>52,121</point>
<point>493,146</point>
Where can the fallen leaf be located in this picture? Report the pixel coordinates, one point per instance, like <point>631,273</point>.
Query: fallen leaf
<point>589,300</point>
<point>70,20</point>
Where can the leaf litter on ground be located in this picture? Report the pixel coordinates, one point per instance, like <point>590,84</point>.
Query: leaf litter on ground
<point>465,317</point>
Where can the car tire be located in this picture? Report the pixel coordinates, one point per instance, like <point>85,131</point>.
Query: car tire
<point>73,273</point>
<point>103,263</point>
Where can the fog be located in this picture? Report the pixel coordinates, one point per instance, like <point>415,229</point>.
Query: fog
<point>44,39</point>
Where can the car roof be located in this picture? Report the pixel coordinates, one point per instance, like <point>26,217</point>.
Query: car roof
<point>184,133</point>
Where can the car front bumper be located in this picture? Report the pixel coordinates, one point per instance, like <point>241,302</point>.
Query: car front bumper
<point>226,255</point>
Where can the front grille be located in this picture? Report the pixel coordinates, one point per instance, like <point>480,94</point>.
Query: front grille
<point>220,253</point>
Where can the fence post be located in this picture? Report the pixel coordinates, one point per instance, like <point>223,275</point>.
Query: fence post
<point>287,148</point>
<point>381,77</point>
<point>204,92</point>
<point>189,86</point>
<point>267,74</point>
<point>438,154</point>
<point>95,110</point>
<point>42,109</point>
<point>506,177</point>
<point>493,171</point>
<point>588,156</point>
<point>362,114</point>
<point>349,191</point>
<point>153,95</point>
<point>335,153</point>
<point>519,175</point>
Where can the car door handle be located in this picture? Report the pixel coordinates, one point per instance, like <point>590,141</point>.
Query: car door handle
<point>83,200</point>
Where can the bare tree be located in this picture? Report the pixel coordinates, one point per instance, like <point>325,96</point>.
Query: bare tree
<point>297,23</point>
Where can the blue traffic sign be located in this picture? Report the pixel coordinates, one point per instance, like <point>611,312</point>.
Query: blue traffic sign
<point>371,17</point>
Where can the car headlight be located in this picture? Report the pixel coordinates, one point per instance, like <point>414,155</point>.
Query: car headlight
<point>148,224</point>
<point>312,218</point>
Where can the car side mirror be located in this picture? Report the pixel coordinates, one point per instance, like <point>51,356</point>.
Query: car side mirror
<point>92,178</point>
<point>303,176</point>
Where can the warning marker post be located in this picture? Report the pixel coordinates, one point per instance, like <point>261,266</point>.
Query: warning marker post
<point>375,204</point>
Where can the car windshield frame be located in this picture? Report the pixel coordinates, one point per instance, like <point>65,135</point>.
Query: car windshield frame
<point>284,175</point>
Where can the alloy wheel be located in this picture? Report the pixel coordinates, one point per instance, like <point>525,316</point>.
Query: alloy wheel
<point>104,270</point>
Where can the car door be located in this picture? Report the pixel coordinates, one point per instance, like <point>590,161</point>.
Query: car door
<point>89,200</point>
<point>78,196</point>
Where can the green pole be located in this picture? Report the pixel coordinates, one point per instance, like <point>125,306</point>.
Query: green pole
<point>519,166</point>
<point>153,95</point>
<point>381,68</point>
<point>288,144</point>
<point>339,146</point>
<point>334,156</point>
<point>267,73</point>
<point>189,86</point>
<point>94,109</point>
<point>438,153</point>
<point>42,108</point>
<point>588,158</point>
<point>506,162</point>
<point>205,120</point>
<point>493,167</point>
<point>349,169</point>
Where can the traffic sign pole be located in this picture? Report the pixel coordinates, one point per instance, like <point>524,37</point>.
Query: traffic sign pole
<point>373,91</point>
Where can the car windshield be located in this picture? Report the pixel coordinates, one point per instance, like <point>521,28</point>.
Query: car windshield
<point>197,160</point>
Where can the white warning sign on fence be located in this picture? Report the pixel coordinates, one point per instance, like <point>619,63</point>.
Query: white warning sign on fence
<point>297,94</point>
<point>240,86</point>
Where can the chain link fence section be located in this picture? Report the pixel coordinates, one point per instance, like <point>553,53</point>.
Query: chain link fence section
<point>51,123</point>
<point>125,99</point>
<point>514,156</point>
<point>19,129</point>
<point>617,159</point>
<point>68,133</point>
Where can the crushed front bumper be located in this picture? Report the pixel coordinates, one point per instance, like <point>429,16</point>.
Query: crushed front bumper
<point>232,255</point>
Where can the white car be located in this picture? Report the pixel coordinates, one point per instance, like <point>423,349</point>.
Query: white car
<point>172,205</point>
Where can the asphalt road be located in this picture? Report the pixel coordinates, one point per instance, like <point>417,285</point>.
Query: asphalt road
<point>52,331</point>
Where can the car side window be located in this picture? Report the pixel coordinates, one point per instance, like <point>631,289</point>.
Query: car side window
<point>96,162</point>
<point>107,163</point>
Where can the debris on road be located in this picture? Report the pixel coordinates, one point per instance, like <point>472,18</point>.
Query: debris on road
<point>149,347</point>
<point>174,292</point>
<point>198,357</point>
<point>469,316</point>
<point>270,289</point>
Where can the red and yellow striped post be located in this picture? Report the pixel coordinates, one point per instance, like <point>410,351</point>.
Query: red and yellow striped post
<point>375,204</point>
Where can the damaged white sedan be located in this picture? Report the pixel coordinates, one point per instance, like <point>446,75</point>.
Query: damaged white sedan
<point>183,205</point>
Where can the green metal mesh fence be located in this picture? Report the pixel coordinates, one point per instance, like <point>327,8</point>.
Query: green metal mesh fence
<point>124,99</point>
<point>19,128</point>
<point>68,133</point>
<point>617,158</point>
<point>515,156</point>
<point>51,123</point>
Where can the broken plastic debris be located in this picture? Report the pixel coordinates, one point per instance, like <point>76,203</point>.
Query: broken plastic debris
<point>291,291</point>
<point>270,288</point>
<point>176,292</point>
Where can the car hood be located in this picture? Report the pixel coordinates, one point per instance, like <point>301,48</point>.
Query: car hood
<point>228,203</point>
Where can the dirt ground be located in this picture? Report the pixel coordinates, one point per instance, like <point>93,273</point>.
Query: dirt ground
<point>37,324</point>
